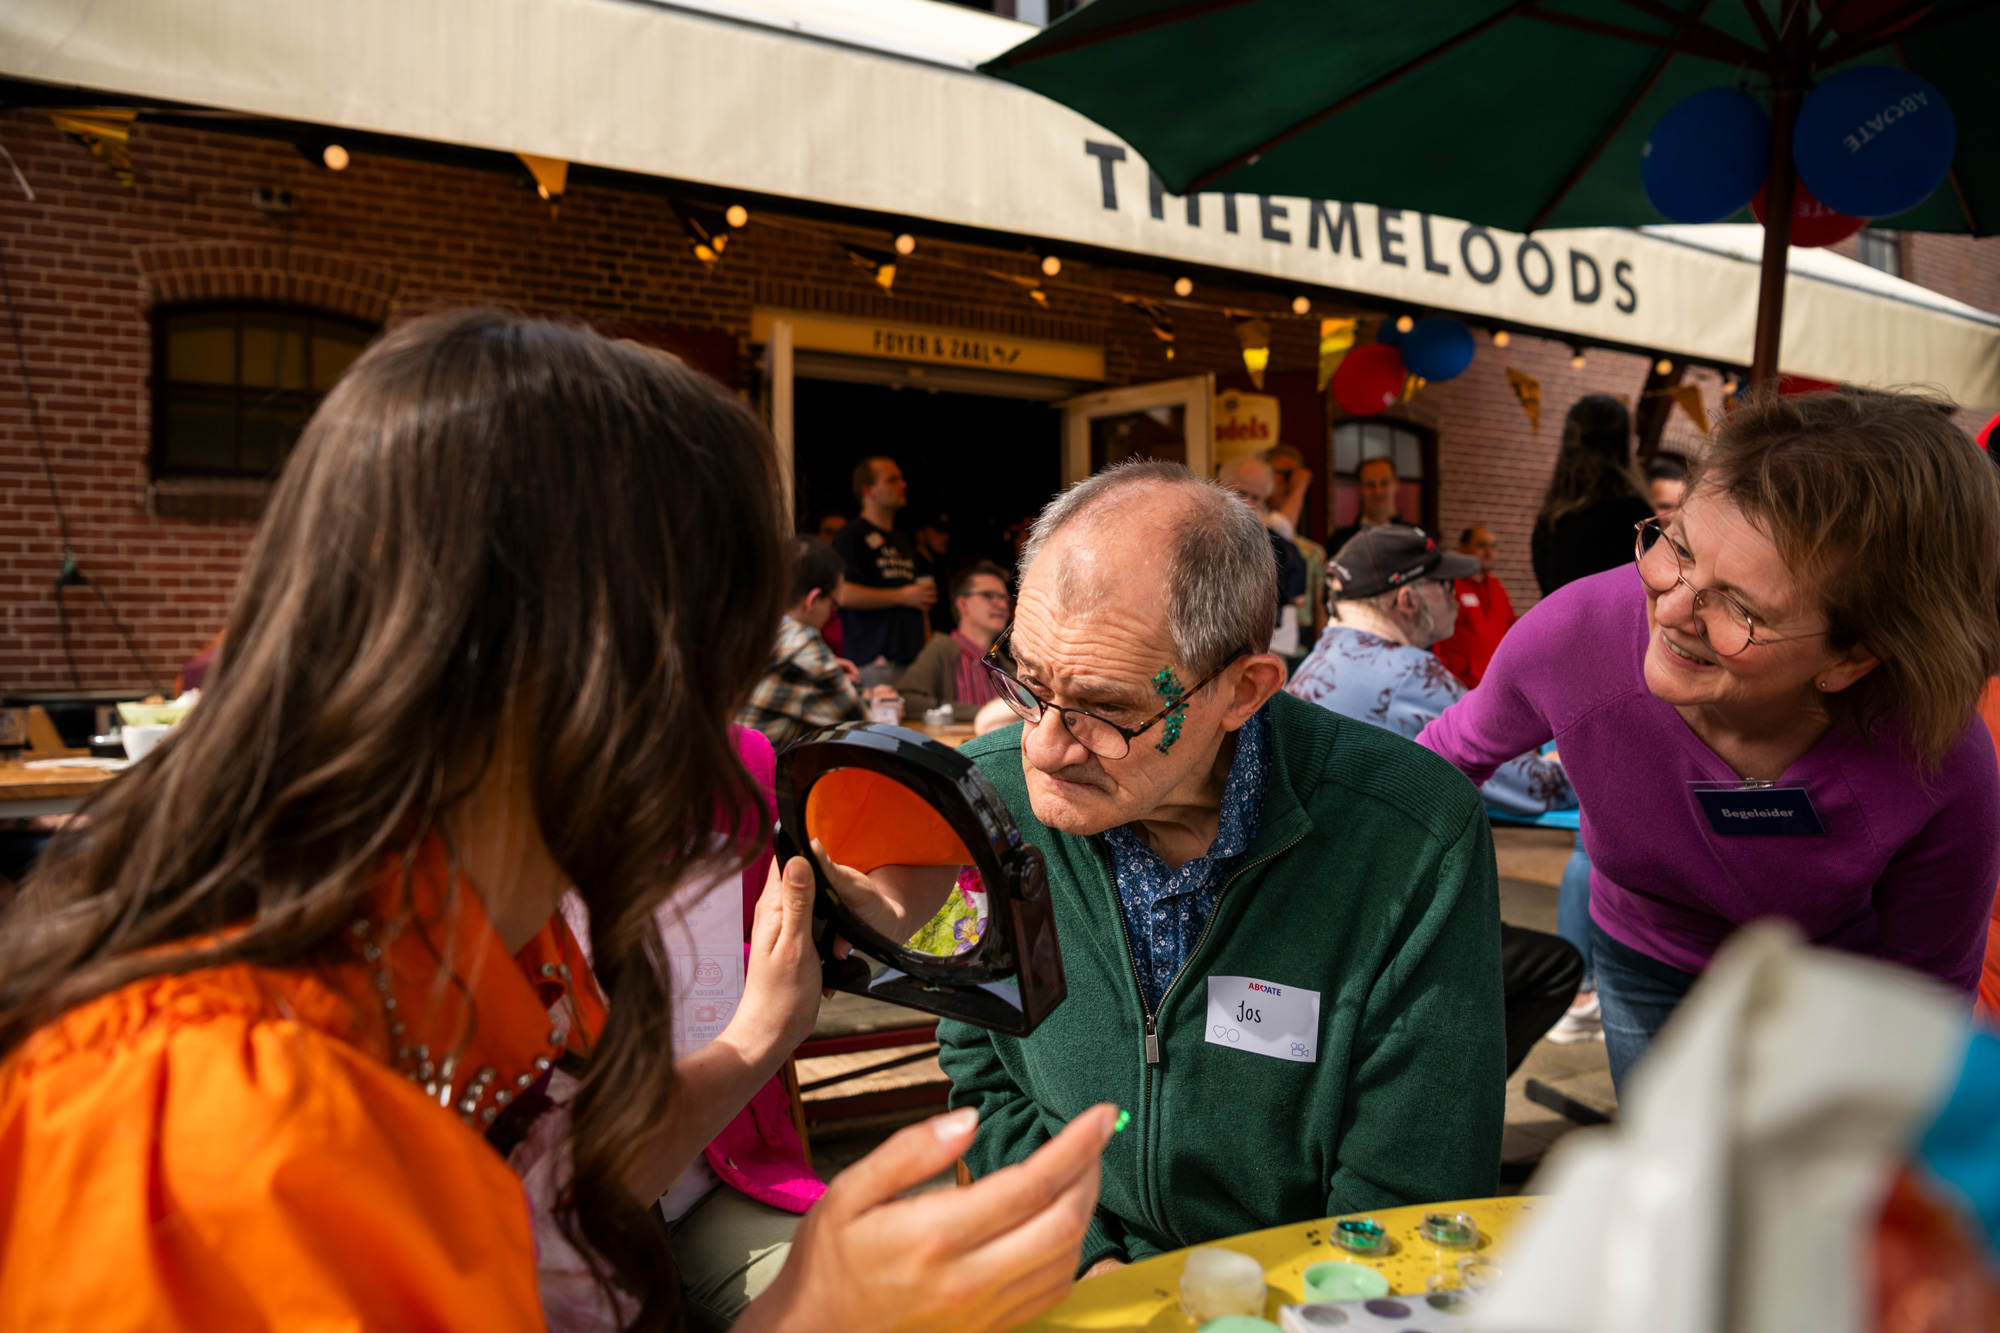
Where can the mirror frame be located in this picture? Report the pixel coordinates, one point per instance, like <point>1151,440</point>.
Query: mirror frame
<point>1019,944</point>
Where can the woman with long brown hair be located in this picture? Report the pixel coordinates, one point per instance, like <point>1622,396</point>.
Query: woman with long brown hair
<point>271,1015</point>
<point>1594,496</point>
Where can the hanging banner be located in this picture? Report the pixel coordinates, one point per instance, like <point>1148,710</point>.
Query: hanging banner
<point>864,120</point>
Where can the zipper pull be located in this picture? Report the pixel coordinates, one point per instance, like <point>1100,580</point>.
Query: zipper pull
<point>1152,1041</point>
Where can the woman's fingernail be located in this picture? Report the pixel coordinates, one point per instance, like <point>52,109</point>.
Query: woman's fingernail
<point>950,1128</point>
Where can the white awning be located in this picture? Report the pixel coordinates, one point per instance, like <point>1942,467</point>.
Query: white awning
<point>871,104</point>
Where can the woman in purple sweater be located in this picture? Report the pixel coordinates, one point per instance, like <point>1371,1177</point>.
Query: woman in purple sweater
<point>1772,712</point>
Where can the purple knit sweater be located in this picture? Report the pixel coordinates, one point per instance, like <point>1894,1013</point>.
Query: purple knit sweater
<point>1907,869</point>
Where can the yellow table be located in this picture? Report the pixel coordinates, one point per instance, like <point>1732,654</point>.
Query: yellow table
<point>1146,1297</point>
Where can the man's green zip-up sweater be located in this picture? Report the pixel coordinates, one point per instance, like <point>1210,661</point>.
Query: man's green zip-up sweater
<point>1370,881</point>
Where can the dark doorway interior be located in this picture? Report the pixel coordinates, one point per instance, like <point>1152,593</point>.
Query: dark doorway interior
<point>985,462</point>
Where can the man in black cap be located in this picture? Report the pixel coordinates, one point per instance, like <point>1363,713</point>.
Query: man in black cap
<point>1392,599</point>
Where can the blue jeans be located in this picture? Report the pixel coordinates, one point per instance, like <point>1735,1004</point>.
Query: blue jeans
<point>1635,995</point>
<point>1573,907</point>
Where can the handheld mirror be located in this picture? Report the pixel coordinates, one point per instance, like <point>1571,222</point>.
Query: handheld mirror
<point>921,868</point>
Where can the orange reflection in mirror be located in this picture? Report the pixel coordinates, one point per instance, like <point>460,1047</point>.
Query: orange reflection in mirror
<point>866,821</point>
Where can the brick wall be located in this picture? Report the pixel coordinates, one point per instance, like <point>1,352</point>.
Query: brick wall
<point>383,239</point>
<point>1961,267</point>
<point>88,259</point>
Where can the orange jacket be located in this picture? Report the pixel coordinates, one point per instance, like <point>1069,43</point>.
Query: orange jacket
<point>252,1148</point>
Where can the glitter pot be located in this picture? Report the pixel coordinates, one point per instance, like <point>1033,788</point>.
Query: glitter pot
<point>1450,1231</point>
<point>1361,1235</point>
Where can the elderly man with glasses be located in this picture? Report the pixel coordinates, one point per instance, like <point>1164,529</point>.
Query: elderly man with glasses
<point>1279,926</point>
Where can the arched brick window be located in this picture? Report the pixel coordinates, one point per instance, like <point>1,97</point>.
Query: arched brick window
<point>1410,448</point>
<point>234,381</point>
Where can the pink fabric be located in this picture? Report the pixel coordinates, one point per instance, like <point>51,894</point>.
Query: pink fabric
<point>759,1153</point>
<point>969,678</point>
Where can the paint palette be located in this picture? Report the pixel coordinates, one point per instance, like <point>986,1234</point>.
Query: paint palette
<point>1439,1312</point>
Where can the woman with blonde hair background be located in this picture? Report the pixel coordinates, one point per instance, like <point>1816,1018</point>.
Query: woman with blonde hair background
<point>1771,710</point>
<point>272,1016</point>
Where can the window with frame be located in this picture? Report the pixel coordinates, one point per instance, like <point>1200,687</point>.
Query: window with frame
<point>234,384</point>
<point>1411,451</point>
<point>1880,249</point>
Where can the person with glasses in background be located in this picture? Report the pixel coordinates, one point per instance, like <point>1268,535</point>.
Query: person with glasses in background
<point>1280,927</point>
<point>1772,711</point>
<point>1393,599</point>
<point>948,670</point>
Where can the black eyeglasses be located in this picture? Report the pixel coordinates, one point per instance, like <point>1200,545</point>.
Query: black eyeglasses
<point>1101,736</point>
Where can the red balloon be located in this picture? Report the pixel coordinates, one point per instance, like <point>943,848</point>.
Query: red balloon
<point>1813,223</point>
<point>1370,380</point>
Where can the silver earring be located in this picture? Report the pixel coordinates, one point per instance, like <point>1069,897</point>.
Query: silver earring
<point>1822,684</point>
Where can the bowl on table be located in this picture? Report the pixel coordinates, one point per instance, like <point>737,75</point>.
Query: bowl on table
<point>139,741</point>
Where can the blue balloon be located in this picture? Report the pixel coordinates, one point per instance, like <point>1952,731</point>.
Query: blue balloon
<point>1438,348</point>
<point>1873,141</point>
<point>1706,157</point>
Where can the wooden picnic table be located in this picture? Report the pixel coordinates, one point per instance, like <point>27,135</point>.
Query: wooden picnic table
<point>26,792</point>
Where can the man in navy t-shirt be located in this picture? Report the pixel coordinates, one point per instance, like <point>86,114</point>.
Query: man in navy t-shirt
<point>882,603</point>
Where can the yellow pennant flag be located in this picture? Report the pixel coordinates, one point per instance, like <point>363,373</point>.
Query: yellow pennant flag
<point>107,133</point>
<point>551,174</point>
<point>1689,398</point>
<point>1336,338</point>
<point>1529,390</point>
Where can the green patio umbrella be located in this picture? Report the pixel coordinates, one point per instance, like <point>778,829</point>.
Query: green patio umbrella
<point>1518,114</point>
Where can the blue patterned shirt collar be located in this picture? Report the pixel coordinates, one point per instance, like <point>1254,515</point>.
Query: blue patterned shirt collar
<point>1165,910</point>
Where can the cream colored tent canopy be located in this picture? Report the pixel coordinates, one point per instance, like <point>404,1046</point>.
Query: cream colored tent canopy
<point>874,106</point>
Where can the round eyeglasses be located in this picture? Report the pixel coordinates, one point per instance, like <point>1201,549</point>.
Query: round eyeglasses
<point>1724,623</point>
<point>1101,736</point>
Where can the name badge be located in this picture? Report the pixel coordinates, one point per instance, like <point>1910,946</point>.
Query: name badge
<point>1752,810</point>
<point>1264,1018</point>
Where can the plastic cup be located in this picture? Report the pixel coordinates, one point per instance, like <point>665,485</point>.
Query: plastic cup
<point>1217,1282</point>
<point>1336,1281</point>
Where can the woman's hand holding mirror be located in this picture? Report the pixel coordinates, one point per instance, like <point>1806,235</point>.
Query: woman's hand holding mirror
<point>781,979</point>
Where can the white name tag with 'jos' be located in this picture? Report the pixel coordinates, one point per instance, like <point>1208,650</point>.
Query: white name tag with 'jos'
<point>1264,1018</point>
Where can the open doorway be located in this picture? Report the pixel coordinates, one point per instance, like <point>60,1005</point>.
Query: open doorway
<point>985,462</point>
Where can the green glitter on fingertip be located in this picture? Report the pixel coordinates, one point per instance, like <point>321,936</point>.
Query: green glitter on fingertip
<point>1124,1119</point>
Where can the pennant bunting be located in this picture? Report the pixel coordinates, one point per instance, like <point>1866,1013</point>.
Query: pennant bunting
<point>1336,338</point>
<point>1529,390</point>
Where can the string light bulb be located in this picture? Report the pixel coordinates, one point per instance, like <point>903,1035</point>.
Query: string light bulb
<point>1501,337</point>
<point>1051,266</point>
<point>542,190</point>
<point>1183,286</point>
<point>737,216</point>
<point>1405,323</point>
<point>1663,366</point>
<point>1730,386</point>
<point>1302,305</point>
<point>335,157</point>
<point>906,244</point>
<point>1576,361</point>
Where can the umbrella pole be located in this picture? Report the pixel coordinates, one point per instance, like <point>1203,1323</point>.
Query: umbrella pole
<point>1778,195</point>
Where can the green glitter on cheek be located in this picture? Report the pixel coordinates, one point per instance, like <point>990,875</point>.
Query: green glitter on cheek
<point>1168,686</point>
